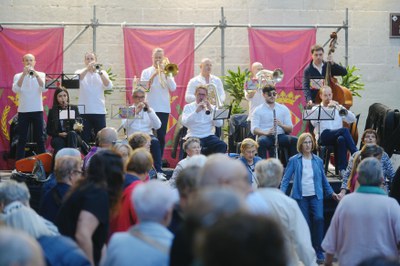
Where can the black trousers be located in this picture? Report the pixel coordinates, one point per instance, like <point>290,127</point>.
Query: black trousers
<point>35,119</point>
<point>92,122</point>
<point>161,132</point>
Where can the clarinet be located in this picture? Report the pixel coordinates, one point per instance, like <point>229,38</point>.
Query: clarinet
<point>275,135</point>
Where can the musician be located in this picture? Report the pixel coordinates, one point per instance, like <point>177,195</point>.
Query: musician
<point>200,123</point>
<point>145,121</point>
<point>252,92</point>
<point>332,132</point>
<point>92,83</point>
<point>29,84</point>
<point>160,85</point>
<point>62,131</point>
<point>267,128</point>
<point>205,77</point>
<point>317,70</point>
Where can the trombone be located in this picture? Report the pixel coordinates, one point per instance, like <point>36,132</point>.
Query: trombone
<point>170,70</point>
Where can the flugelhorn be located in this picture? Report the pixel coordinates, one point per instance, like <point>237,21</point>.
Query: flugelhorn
<point>269,76</point>
<point>213,95</point>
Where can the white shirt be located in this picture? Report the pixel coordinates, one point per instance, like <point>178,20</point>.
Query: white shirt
<point>158,97</point>
<point>263,117</point>
<point>319,68</point>
<point>307,178</point>
<point>336,123</point>
<point>200,80</point>
<point>30,93</point>
<point>142,122</point>
<point>200,125</point>
<point>297,233</point>
<point>91,92</point>
<point>255,101</point>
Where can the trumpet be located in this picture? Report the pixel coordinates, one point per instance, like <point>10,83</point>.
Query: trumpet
<point>342,110</point>
<point>98,68</point>
<point>269,76</point>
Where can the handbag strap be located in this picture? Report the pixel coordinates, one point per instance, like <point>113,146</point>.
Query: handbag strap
<point>155,244</point>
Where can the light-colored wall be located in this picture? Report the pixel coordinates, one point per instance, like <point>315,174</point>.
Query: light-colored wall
<point>370,47</point>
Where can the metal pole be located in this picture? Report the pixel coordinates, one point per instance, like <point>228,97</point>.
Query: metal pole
<point>222,25</point>
<point>95,24</point>
<point>75,38</point>
<point>346,38</point>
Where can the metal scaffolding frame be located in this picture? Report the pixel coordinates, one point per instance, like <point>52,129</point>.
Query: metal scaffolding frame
<point>222,25</point>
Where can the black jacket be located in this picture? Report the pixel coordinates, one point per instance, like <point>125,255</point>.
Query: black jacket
<point>54,124</point>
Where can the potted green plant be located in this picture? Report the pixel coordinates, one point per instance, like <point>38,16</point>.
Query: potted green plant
<point>352,81</point>
<point>233,85</point>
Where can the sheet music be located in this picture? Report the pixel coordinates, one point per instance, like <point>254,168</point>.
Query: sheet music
<point>64,114</point>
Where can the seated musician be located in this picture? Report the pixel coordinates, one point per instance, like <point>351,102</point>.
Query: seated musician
<point>317,70</point>
<point>65,133</point>
<point>198,118</point>
<point>145,120</point>
<point>252,91</point>
<point>267,128</point>
<point>332,132</point>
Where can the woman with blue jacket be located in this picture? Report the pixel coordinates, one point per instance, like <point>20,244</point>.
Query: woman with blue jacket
<point>309,185</point>
<point>248,151</point>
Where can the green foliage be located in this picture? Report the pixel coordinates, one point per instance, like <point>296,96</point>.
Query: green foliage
<point>233,85</point>
<point>112,77</point>
<point>352,81</point>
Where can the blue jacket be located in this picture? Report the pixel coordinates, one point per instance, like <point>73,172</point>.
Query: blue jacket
<point>249,173</point>
<point>294,171</point>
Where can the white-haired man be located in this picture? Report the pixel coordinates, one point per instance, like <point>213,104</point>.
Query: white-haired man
<point>153,202</point>
<point>286,211</point>
<point>366,223</point>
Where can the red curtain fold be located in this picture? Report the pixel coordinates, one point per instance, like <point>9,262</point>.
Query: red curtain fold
<point>178,46</point>
<point>289,51</point>
<point>47,46</point>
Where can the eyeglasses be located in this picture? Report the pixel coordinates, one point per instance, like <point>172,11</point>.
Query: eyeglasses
<point>139,97</point>
<point>272,94</point>
<point>77,172</point>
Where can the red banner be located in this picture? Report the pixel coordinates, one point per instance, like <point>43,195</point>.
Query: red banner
<point>178,46</point>
<point>47,46</point>
<point>289,51</point>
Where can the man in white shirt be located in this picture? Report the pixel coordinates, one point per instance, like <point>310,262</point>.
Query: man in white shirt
<point>198,118</point>
<point>252,92</point>
<point>92,83</point>
<point>158,96</point>
<point>205,77</point>
<point>332,132</point>
<point>263,124</point>
<point>29,84</point>
<point>145,120</point>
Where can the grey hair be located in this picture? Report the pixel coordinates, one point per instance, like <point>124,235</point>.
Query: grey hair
<point>68,152</point>
<point>189,141</point>
<point>17,248</point>
<point>11,190</point>
<point>196,160</point>
<point>269,172</point>
<point>153,200</point>
<point>370,172</point>
<point>107,135</point>
<point>65,166</point>
<point>21,217</point>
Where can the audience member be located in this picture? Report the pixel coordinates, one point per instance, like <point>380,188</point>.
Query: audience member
<point>85,213</point>
<point>138,167</point>
<point>244,239</point>
<point>123,149</point>
<point>105,139</point>
<point>148,242</point>
<point>192,147</point>
<point>366,223</point>
<point>248,151</point>
<point>287,212</point>
<point>57,249</point>
<point>19,249</point>
<point>68,170</point>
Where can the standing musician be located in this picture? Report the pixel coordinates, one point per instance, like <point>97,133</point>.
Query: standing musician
<point>145,121</point>
<point>252,91</point>
<point>205,77</point>
<point>332,132</point>
<point>160,85</point>
<point>92,83</point>
<point>267,128</point>
<point>317,70</point>
<point>198,118</point>
<point>29,84</point>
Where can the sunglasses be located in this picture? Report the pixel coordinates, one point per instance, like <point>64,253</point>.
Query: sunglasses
<point>272,93</point>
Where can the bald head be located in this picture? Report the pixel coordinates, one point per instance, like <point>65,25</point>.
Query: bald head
<point>220,170</point>
<point>205,67</point>
<point>107,136</point>
<point>255,67</point>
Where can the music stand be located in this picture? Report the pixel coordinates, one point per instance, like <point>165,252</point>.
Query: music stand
<point>69,116</point>
<point>223,113</point>
<point>123,112</point>
<point>69,81</point>
<point>319,113</point>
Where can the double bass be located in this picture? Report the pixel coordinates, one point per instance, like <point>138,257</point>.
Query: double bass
<point>339,93</point>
